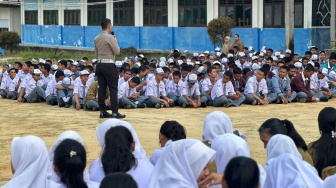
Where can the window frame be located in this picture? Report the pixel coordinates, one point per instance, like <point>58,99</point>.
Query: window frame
<point>96,11</point>
<point>225,4</point>
<point>152,6</point>
<point>50,17</point>
<point>31,16</point>
<point>124,9</point>
<point>71,20</point>
<point>184,5</point>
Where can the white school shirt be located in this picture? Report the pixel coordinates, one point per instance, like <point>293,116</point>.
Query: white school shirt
<point>8,83</point>
<point>318,84</point>
<point>122,80</point>
<point>245,65</point>
<point>30,85</point>
<point>190,91</point>
<point>125,91</point>
<point>152,90</point>
<point>252,84</point>
<point>3,75</point>
<point>46,80</point>
<point>22,75</point>
<point>51,88</point>
<point>24,81</point>
<point>172,87</point>
<point>80,88</point>
<point>157,153</point>
<point>218,89</point>
<point>206,84</point>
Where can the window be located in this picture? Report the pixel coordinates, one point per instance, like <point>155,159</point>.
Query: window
<point>155,13</point>
<point>238,10</point>
<point>96,11</point>
<point>72,17</point>
<point>50,17</point>
<point>123,13</point>
<point>298,13</point>
<point>31,17</point>
<point>321,13</point>
<point>3,30</point>
<point>192,13</point>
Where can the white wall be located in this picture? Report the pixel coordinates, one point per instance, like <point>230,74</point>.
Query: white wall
<point>13,17</point>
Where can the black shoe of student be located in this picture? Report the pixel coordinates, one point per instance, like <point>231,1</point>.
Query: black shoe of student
<point>104,114</point>
<point>141,105</point>
<point>53,103</point>
<point>118,115</point>
<point>67,105</point>
<point>324,99</point>
<point>203,104</point>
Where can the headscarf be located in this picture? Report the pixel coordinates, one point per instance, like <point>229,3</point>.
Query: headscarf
<point>31,163</point>
<point>289,171</point>
<point>330,182</point>
<point>216,123</point>
<point>181,164</point>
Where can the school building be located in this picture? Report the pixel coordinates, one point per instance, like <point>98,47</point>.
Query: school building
<point>165,24</point>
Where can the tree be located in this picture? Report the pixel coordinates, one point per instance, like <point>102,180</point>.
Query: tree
<point>219,28</point>
<point>9,40</point>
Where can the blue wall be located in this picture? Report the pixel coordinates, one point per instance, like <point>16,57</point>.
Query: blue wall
<point>166,38</point>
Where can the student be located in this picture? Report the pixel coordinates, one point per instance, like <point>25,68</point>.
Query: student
<point>184,163</point>
<point>46,76</point>
<point>65,90</point>
<point>170,132</point>
<point>30,164</point>
<point>184,73</point>
<point>4,73</point>
<point>62,65</point>
<point>17,65</point>
<point>301,85</point>
<point>127,95</point>
<point>323,149</point>
<point>91,99</point>
<point>242,61</point>
<point>118,156</point>
<point>223,93</point>
<point>272,82</point>
<point>24,74</point>
<point>125,78</point>
<point>155,90</point>
<point>32,91</point>
<point>291,73</point>
<point>174,87</point>
<point>51,91</point>
<point>69,164</point>
<point>8,85</point>
<point>143,71</point>
<point>289,171</point>
<point>284,92</point>
<point>276,126</point>
<point>208,83</point>
<point>190,94</point>
<point>80,90</point>
<point>256,89</point>
<point>323,58</point>
<point>319,85</point>
<point>238,81</point>
<point>118,180</point>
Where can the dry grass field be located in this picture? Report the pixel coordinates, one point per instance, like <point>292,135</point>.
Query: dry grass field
<point>47,122</point>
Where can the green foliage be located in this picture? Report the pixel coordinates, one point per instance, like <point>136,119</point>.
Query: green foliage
<point>9,40</point>
<point>219,28</point>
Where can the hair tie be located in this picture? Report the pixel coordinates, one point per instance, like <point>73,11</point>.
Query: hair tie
<point>333,134</point>
<point>72,153</point>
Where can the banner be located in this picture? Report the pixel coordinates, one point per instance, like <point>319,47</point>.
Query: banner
<point>71,4</point>
<point>30,4</point>
<point>50,4</point>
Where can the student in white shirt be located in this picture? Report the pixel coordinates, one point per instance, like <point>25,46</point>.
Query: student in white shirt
<point>65,90</point>
<point>174,87</point>
<point>125,78</point>
<point>51,91</point>
<point>190,94</point>
<point>319,86</point>
<point>208,83</point>
<point>223,93</point>
<point>170,131</point>
<point>80,90</point>
<point>127,95</point>
<point>46,76</point>
<point>256,89</point>
<point>143,71</point>
<point>155,90</point>
<point>32,90</point>
<point>8,85</point>
<point>4,73</point>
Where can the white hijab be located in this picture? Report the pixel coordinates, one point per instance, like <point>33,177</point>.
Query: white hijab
<point>228,146</point>
<point>289,171</point>
<point>216,123</point>
<point>330,182</point>
<point>181,164</point>
<point>31,163</point>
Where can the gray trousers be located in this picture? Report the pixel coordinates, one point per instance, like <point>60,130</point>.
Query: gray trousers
<point>64,93</point>
<point>51,100</point>
<point>9,95</point>
<point>183,100</point>
<point>92,105</point>
<point>249,98</point>
<point>36,95</point>
<point>224,100</point>
<point>173,97</point>
<point>151,102</point>
<point>293,96</point>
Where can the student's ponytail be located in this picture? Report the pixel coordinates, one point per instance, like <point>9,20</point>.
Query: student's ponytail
<point>70,161</point>
<point>172,130</point>
<point>296,137</point>
<point>117,155</point>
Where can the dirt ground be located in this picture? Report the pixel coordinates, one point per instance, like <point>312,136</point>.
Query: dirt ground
<point>48,122</point>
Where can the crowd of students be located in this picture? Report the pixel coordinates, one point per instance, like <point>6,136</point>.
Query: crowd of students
<point>221,159</point>
<point>182,79</point>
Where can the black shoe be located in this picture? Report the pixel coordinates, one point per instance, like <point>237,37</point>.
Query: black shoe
<point>203,104</point>
<point>141,105</point>
<point>67,105</point>
<point>104,114</point>
<point>118,115</point>
<point>324,99</point>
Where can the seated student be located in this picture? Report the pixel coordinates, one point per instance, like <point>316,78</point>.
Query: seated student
<point>65,90</point>
<point>323,149</point>
<point>298,68</point>
<point>279,64</point>
<point>223,93</point>
<point>69,164</point>
<point>201,75</point>
<point>118,180</point>
<point>62,65</point>
<point>174,87</point>
<point>304,62</point>
<point>17,65</point>
<point>53,69</point>
<point>301,85</point>
<point>170,131</point>
<point>51,91</point>
<point>319,85</point>
<point>190,94</point>
<point>4,73</point>
<point>238,81</point>
<point>32,91</point>
<point>125,78</point>
<point>8,85</point>
<point>166,77</point>
<point>23,74</point>
<point>127,95</point>
<point>284,92</point>
<point>208,83</point>
<point>183,164</point>
<point>276,126</point>
<point>30,164</point>
<point>91,99</point>
<point>184,72</point>
<point>80,90</point>
<point>155,90</point>
<point>256,89</point>
<point>143,71</point>
<point>289,171</point>
<point>272,82</point>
